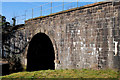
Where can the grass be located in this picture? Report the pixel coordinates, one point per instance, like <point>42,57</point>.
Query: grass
<point>84,73</point>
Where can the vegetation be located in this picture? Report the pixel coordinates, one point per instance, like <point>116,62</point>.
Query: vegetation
<point>8,55</point>
<point>84,73</point>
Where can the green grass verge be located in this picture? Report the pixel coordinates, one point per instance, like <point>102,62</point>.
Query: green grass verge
<point>84,73</point>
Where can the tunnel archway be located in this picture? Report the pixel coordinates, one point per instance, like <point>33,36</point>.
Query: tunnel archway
<point>40,54</point>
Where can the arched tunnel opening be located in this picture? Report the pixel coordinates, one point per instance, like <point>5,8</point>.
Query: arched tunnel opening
<point>40,54</point>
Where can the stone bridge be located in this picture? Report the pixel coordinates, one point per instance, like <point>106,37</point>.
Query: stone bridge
<point>83,37</point>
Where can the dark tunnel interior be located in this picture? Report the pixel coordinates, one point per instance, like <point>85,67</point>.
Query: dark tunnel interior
<point>40,54</point>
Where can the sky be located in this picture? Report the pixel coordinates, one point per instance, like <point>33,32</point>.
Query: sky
<point>49,0</point>
<point>20,8</point>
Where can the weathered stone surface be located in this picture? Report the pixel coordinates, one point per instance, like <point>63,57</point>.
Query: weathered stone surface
<point>82,38</point>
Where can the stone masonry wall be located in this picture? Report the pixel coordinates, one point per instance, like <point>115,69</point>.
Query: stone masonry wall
<point>82,38</point>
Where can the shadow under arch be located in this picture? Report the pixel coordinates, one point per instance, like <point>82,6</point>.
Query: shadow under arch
<point>40,54</point>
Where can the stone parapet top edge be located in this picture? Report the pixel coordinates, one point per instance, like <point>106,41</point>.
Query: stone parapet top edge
<point>69,10</point>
